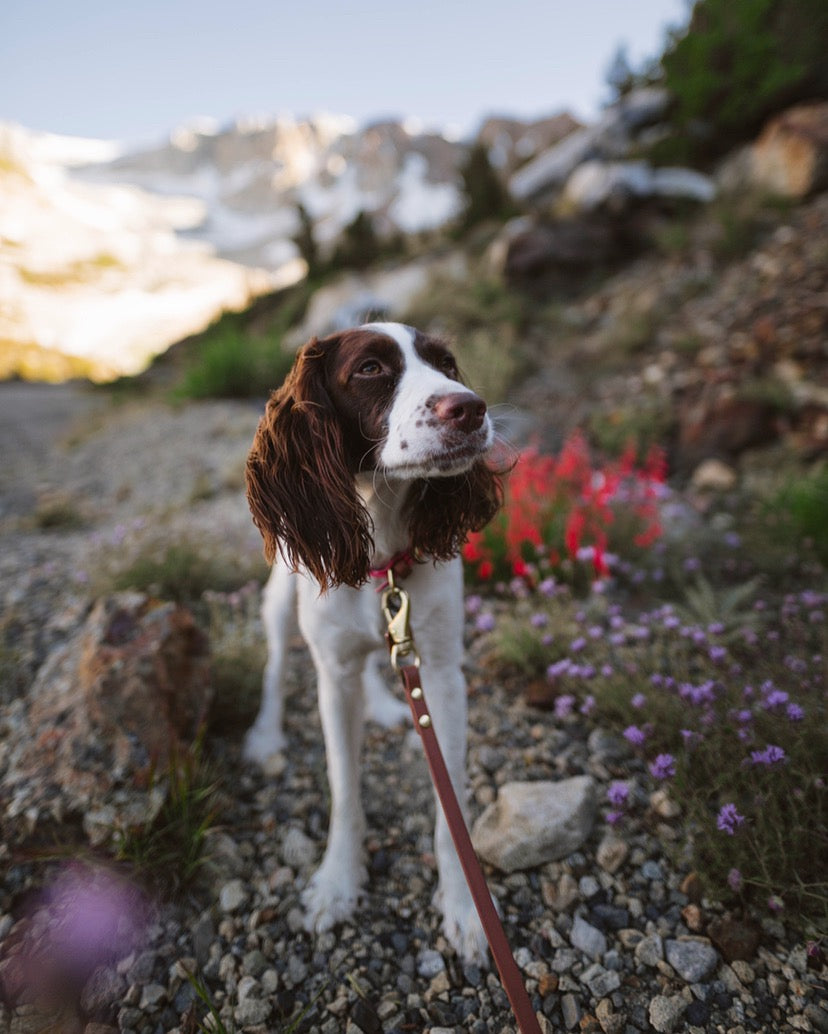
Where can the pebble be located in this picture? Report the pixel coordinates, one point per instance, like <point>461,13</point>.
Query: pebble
<point>233,896</point>
<point>587,939</point>
<point>694,961</point>
<point>666,1012</point>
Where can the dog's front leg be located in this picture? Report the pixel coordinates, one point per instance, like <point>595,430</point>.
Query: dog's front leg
<point>333,891</point>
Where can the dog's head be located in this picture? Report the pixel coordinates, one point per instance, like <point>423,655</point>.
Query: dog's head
<point>381,400</point>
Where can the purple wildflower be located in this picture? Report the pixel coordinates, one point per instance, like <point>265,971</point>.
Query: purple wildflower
<point>539,619</point>
<point>664,767</point>
<point>728,819</point>
<point>717,653</point>
<point>617,794</point>
<point>771,755</point>
<point>638,701</point>
<point>547,587</point>
<point>634,735</point>
<point>588,706</point>
<point>564,705</point>
<point>776,698</point>
<point>734,880</point>
<point>795,713</point>
<point>485,622</point>
<point>614,817</point>
<point>473,604</point>
<point>577,644</point>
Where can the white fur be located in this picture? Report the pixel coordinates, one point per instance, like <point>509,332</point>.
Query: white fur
<point>343,629</point>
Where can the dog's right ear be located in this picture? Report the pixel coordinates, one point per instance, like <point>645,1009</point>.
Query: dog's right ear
<point>299,488</point>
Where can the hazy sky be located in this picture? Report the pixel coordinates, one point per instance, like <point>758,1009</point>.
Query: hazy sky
<point>135,70</point>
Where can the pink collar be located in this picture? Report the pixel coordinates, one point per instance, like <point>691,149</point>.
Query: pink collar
<point>401,564</point>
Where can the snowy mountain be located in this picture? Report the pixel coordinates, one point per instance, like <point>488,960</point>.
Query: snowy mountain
<point>109,255</point>
<point>252,177</point>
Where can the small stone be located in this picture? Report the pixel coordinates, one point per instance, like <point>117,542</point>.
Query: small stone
<point>588,887</point>
<point>251,1011</point>
<point>430,963</point>
<point>233,896</point>
<point>364,1015</point>
<point>611,1022</point>
<point>152,995</point>
<point>693,918</point>
<point>713,475</point>
<point>587,939</point>
<point>548,984</point>
<point>650,951</point>
<point>601,982</point>
<point>666,1012</point>
<point>571,1010</point>
<point>743,971</point>
<point>560,896</point>
<point>818,1017</point>
<point>612,853</point>
<point>694,961</point>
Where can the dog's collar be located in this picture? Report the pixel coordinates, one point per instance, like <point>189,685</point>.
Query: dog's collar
<point>400,565</point>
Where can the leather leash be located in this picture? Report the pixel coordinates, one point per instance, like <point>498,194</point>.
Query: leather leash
<point>406,662</point>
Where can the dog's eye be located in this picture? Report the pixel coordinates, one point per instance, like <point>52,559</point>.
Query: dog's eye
<point>447,364</point>
<point>369,368</point>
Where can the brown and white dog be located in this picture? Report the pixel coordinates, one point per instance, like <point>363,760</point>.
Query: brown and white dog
<point>372,448</point>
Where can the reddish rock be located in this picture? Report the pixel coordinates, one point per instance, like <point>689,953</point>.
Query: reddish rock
<point>106,710</point>
<point>735,938</point>
<point>723,427</point>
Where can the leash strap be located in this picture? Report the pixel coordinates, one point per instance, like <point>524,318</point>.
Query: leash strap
<point>506,966</point>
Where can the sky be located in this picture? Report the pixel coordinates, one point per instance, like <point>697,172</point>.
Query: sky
<point>133,70</point>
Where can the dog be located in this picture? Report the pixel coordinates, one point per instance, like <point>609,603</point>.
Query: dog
<point>371,454</point>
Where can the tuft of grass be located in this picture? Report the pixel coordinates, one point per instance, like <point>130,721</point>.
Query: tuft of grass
<point>57,512</point>
<point>176,571</point>
<point>168,850</point>
<point>232,362</point>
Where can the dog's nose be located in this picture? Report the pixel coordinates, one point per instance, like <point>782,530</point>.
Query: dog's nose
<point>463,410</point>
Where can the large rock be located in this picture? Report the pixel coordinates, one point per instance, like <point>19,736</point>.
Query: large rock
<point>791,155</point>
<point>107,709</point>
<point>554,254</point>
<point>597,184</point>
<point>722,427</point>
<point>533,823</point>
<point>609,138</point>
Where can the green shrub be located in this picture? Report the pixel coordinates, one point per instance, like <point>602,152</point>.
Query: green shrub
<point>739,62</point>
<point>176,571</point>
<point>804,502</point>
<point>485,195</point>
<point>231,362</point>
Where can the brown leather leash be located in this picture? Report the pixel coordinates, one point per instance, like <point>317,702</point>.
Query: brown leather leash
<point>406,661</point>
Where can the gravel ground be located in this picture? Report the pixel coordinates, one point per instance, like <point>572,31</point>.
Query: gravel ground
<point>606,938</point>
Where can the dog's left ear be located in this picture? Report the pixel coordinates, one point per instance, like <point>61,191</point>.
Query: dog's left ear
<point>299,488</point>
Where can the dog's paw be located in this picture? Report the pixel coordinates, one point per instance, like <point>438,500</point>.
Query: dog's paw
<point>260,745</point>
<point>329,898</point>
<point>464,931</point>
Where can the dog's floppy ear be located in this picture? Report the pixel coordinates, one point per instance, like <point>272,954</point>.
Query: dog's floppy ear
<point>300,491</point>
